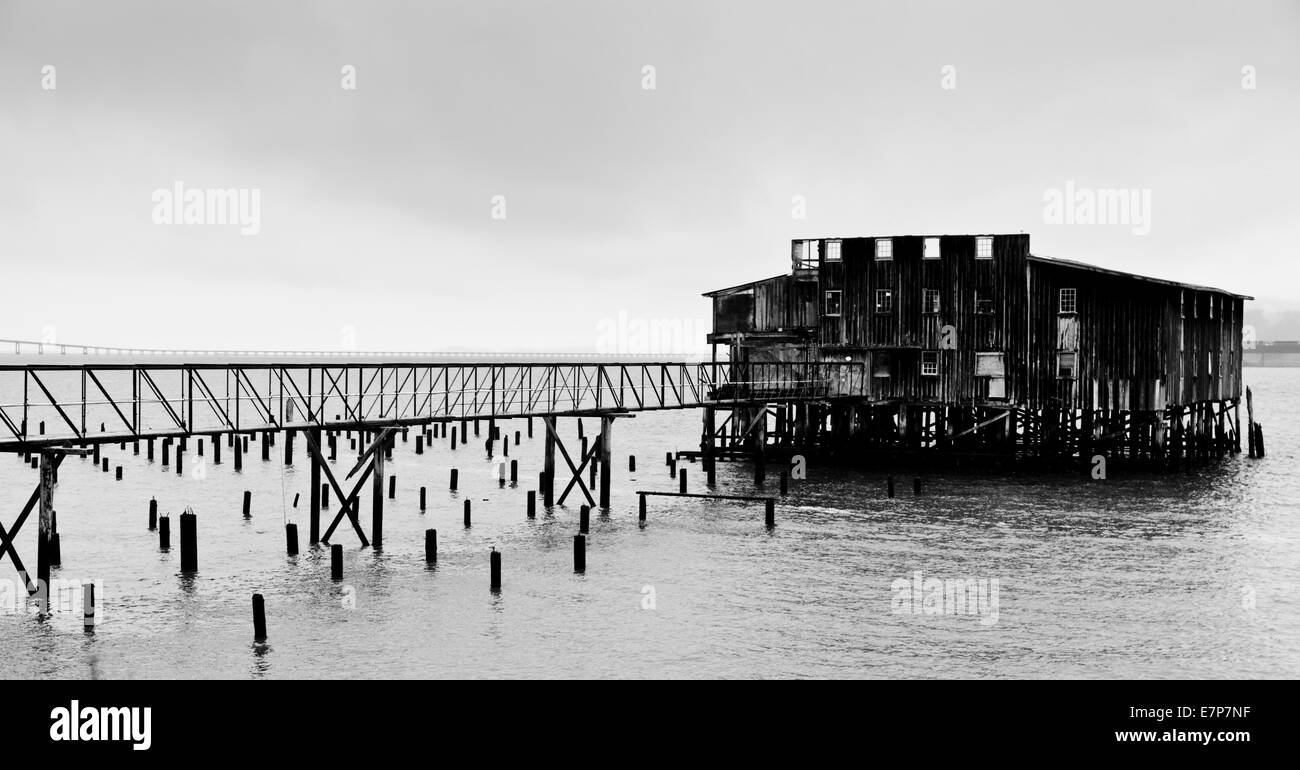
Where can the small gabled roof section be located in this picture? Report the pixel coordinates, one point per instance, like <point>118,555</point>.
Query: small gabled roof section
<point>741,287</point>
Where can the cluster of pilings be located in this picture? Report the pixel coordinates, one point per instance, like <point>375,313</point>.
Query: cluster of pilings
<point>946,435</point>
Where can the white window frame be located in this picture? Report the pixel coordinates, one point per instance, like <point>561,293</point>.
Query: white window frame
<point>839,303</point>
<point>984,247</point>
<point>931,308</point>
<point>931,253</point>
<point>885,254</point>
<point>1072,306</point>
<point>834,252</point>
<point>929,363</point>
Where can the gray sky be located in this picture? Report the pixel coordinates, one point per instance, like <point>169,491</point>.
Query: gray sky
<point>376,202</point>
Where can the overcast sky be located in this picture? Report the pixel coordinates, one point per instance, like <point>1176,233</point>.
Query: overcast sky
<point>376,202</point>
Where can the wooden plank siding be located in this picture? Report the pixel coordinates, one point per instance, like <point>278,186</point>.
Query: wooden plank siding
<point>1129,357</point>
<point>1134,351</point>
<point>862,334</point>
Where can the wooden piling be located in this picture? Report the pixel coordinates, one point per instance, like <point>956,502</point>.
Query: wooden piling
<point>532,504</point>
<point>579,553</point>
<point>430,546</point>
<point>291,538</point>
<point>584,519</point>
<point>153,514</point>
<point>336,561</point>
<point>495,561</point>
<point>631,463</point>
<point>259,618</point>
<point>785,482</point>
<point>890,486</point>
<point>641,508</point>
<point>514,471</point>
<point>165,533</point>
<point>422,498</point>
<point>681,480</point>
<point>467,502</point>
<point>392,487</point>
<point>118,474</point>
<point>606,441</point>
<point>455,476</point>
<point>189,543</point>
<point>769,513</point>
<point>239,455</point>
<point>88,606</point>
<point>377,495</point>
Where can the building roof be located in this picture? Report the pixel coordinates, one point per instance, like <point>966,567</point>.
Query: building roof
<point>1094,269</point>
<point>741,287</point>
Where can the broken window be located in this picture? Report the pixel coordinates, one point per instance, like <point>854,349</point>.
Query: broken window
<point>832,306</point>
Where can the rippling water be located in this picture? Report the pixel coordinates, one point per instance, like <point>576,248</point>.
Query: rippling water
<point>1190,575</point>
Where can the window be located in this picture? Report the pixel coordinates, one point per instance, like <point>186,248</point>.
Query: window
<point>991,369</point>
<point>1066,363</point>
<point>1068,301</point>
<point>832,306</point>
<point>929,363</point>
<point>931,249</point>
<point>930,301</point>
<point>884,300</point>
<point>832,251</point>
<point>1182,304</point>
<point>882,364</point>
<point>884,249</point>
<point>984,247</point>
<point>984,301</point>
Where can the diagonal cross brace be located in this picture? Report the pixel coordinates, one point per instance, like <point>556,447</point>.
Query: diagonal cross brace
<point>349,502</point>
<point>577,471</point>
<point>7,538</point>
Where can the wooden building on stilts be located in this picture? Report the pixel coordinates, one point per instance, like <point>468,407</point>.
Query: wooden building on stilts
<point>971,346</point>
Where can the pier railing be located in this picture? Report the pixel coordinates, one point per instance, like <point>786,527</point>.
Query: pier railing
<point>51,403</point>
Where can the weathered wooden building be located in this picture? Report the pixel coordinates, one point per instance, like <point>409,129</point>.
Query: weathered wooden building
<point>972,342</point>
